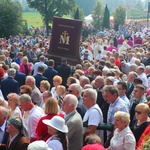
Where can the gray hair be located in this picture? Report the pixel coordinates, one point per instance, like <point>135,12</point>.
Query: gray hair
<point>77,87</point>
<point>92,93</point>
<point>4,111</point>
<point>111,89</point>
<point>31,78</point>
<point>15,66</point>
<point>11,72</point>
<point>133,74</point>
<point>25,97</point>
<point>72,99</point>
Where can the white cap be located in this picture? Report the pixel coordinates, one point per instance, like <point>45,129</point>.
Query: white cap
<point>38,145</point>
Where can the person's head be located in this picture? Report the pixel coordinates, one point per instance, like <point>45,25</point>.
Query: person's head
<point>3,115</point>
<point>30,81</point>
<point>15,66</point>
<point>147,70</point>
<point>87,86</point>
<point>74,89</point>
<point>110,93</point>
<point>26,102</point>
<point>121,120</point>
<point>137,81</point>
<point>42,58</point>
<point>138,91</point>
<point>38,145</point>
<point>89,97</point>
<point>57,80</point>
<point>24,60</point>
<point>44,85</point>
<point>70,103</point>
<point>25,89</point>
<point>51,63</point>
<point>13,100</point>
<point>142,111</point>
<point>99,82</point>
<point>84,80</point>
<point>133,67</point>
<point>51,106</point>
<point>41,69</point>
<point>11,72</point>
<point>46,95</point>
<point>71,80</point>
<point>20,55</point>
<point>91,70</point>
<point>61,90</point>
<point>92,139</point>
<point>140,70</point>
<point>16,125</point>
<point>131,76</point>
<point>122,88</point>
<point>55,125</point>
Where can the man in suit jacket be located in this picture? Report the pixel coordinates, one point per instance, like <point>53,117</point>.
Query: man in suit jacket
<point>10,85</point>
<point>8,59</point>
<point>131,76</point>
<point>36,94</point>
<point>39,76</point>
<point>3,124</point>
<point>76,89</point>
<point>64,71</point>
<point>73,121</point>
<point>50,72</point>
<point>20,77</point>
<point>18,135</point>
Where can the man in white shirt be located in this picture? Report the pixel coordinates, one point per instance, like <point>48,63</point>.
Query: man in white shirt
<point>142,75</point>
<point>147,71</point>
<point>35,113</point>
<point>3,124</point>
<point>37,64</point>
<point>93,115</point>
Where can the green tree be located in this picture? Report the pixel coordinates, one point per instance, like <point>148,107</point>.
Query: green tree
<point>119,15</point>
<point>106,18</point>
<point>76,16</point>
<point>10,18</point>
<point>50,8</point>
<point>97,15</point>
<point>77,13</point>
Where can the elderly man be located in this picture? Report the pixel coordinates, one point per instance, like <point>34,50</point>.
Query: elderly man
<point>93,115</point>
<point>73,121</point>
<point>147,71</point>
<point>139,97</point>
<point>3,124</point>
<point>35,113</point>
<point>142,75</point>
<point>76,90</point>
<point>36,94</point>
<point>111,95</point>
<point>10,85</point>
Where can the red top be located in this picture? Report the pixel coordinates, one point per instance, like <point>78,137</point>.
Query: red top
<point>42,130</point>
<point>95,146</point>
<point>117,62</point>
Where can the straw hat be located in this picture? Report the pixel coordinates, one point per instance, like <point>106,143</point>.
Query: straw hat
<point>57,123</point>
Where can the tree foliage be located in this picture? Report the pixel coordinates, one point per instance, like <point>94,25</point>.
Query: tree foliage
<point>78,13</point>
<point>106,18</point>
<point>52,7</point>
<point>10,18</point>
<point>97,15</point>
<point>119,15</point>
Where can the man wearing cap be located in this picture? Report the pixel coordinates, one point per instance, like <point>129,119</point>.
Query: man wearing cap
<point>17,135</point>
<point>64,71</point>
<point>73,121</point>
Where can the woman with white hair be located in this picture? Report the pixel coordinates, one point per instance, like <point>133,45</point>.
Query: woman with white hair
<point>123,138</point>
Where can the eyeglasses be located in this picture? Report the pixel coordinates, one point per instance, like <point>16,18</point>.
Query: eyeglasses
<point>138,112</point>
<point>69,91</point>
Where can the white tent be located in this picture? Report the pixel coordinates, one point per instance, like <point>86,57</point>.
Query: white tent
<point>88,19</point>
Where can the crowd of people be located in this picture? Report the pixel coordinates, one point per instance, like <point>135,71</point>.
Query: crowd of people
<point>44,106</point>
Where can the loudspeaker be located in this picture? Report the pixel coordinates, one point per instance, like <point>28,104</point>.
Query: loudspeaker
<point>148,7</point>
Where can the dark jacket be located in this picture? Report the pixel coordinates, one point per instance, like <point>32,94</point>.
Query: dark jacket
<point>20,77</point>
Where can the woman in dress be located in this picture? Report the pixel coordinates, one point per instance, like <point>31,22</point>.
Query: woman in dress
<point>123,138</point>
<point>58,130</point>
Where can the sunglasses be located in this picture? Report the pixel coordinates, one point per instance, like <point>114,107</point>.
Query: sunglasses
<point>138,112</point>
<point>69,91</point>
